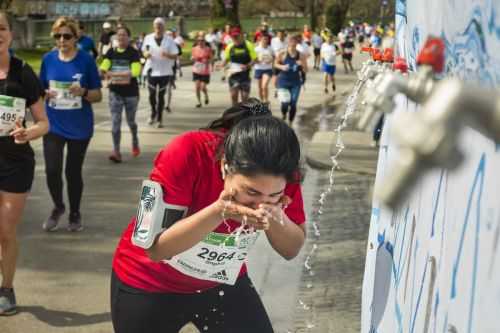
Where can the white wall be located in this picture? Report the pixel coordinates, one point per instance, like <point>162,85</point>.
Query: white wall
<point>433,265</point>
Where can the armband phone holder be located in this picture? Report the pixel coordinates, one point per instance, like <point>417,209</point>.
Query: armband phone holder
<point>154,215</point>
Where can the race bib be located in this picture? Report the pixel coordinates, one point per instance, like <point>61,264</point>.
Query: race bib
<point>64,100</point>
<point>219,257</point>
<point>200,67</point>
<point>11,110</point>
<point>266,58</point>
<point>235,68</point>
<point>121,67</point>
<point>348,50</point>
<point>284,95</point>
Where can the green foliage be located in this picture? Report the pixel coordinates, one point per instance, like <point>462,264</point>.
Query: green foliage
<point>32,56</point>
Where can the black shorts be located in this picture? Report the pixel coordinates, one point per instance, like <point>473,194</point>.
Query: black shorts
<point>317,52</point>
<point>17,171</point>
<point>347,56</point>
<point>240,81</point>
<point>223,309</point>
<point>202,78</point>
<point>276,71</point>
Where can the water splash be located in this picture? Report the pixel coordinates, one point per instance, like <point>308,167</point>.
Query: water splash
<point>349,111</point>
<point>307,265</point>
<point>304,305</point>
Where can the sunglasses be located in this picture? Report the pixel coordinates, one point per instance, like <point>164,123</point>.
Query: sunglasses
<point>64,36</point>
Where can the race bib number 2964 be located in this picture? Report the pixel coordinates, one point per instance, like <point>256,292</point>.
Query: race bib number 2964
<point>218,258</point>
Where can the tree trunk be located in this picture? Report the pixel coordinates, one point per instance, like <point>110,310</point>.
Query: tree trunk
<point>5,4</point>
<point>224,12</point>
<point>336,15</point>
<point>313,15</point>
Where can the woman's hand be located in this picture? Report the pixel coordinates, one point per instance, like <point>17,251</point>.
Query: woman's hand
<point>77,90</point>
<point>50,94</point>
<point>20,134</point>
<point>273,213</point>
<point>231,209</point>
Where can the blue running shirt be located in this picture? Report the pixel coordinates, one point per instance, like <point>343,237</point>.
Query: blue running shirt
<point>76,121</point>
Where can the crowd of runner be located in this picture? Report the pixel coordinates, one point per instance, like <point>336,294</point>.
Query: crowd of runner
<point>255,185</point>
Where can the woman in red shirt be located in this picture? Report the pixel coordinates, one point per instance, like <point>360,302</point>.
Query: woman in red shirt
<point>223,186</point>
<point>201,55</point>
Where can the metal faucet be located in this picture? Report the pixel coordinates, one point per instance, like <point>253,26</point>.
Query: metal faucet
<point>417,87</point>
<point>372,67</point>
<point>428,138</point>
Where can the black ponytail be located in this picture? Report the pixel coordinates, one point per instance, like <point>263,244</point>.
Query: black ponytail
<point>252,107</point>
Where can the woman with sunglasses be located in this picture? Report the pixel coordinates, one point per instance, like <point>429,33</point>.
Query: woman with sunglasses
<point>19,89</point>
<point>201,54</point>
<point>222,187</point>
<point>71,81</point>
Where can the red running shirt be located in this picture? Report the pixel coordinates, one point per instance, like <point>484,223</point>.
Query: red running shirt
<point>189,171</point>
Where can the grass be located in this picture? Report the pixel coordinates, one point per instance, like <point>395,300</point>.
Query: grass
<point>34,56</point>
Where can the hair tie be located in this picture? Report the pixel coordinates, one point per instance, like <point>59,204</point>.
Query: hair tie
<point>256,107</point>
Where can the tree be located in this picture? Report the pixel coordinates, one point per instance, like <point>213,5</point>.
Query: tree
<point>225,11</point>
<point>5,4</point>
<point>336,14</point>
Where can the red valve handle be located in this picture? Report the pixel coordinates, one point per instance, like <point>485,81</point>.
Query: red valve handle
<point>388,55</point>
<point>400,65</point>
<point>432,54</point>
<point>377,55</point>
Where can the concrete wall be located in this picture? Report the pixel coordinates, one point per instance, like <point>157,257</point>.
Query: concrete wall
<point>433,265</point>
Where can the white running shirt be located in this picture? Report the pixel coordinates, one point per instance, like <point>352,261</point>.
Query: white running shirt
<point>265,58</point>
<point>328,54</point>
<point>160,66</point>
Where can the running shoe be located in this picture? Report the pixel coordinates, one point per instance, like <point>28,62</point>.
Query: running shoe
<point>198,105</point>
<point>168,109</point>
<point>75,222</point>
<point>136,151</point>
<point>206,100</point>
<point>51,223</point>
<point>159,125</point>
<point>115,157</point>
<point>151,121</point>
<point>7,302</point>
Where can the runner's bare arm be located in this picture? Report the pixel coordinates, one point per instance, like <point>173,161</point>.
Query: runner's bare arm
<point>303,61</point>
<point>278,62</point>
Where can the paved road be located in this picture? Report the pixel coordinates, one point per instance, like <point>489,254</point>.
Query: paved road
<point>62,282</point>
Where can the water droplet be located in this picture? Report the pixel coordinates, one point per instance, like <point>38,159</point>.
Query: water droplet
<point>303,305</point>
<point>221,293</point>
